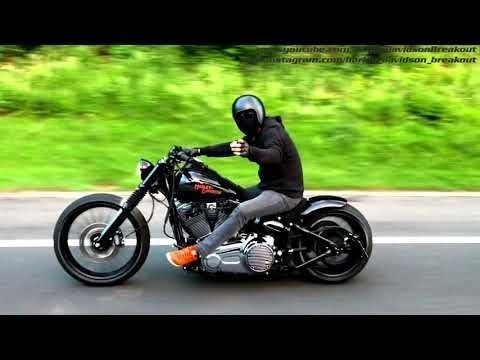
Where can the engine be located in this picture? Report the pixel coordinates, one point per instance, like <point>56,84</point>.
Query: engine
<point>259,256</point>
<point>251,254</point>
<point>200,218</point>
<point>247,254</point>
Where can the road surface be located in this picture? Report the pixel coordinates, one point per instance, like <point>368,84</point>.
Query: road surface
<point>425,260</point>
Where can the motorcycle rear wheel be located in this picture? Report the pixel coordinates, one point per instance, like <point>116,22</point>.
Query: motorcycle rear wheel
<point>82,265</point>
<point>340,268</point>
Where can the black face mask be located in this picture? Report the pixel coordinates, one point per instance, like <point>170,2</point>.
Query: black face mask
<point>247,122</point>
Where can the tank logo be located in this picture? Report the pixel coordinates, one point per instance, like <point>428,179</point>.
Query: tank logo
<point>207,189</point>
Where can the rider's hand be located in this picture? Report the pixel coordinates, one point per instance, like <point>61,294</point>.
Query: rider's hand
<point>192,152</point>
<point>239,147</point>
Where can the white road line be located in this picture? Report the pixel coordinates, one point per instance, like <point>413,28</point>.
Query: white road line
<point>14,243</point>
<point>427,240</point>
<point>49,242</point>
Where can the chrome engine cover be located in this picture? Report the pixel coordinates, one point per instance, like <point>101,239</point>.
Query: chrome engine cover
<point>247,256</point>
<point>259,256</point>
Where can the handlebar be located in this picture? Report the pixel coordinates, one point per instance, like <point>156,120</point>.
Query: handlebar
<point>183,156</point>
<point>177,153</point>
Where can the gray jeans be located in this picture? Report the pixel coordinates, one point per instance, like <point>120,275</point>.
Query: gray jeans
<point>261,203</point>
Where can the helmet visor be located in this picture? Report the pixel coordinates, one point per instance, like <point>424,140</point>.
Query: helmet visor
<point>247,121</point>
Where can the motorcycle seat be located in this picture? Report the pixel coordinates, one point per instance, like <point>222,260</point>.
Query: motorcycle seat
<point>291,214</point>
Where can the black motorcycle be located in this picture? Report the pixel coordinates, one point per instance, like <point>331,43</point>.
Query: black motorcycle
<point>101,239</point>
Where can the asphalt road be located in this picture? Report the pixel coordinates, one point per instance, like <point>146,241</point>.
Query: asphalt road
<point>399,279</point>
<point>32,217</point>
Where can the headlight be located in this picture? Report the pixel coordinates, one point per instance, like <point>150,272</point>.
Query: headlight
<point>143,168</point>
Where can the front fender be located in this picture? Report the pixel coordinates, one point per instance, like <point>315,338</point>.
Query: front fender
<point>320,202</point>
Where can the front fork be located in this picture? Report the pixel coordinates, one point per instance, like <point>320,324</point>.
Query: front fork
<point>130,204</point>
<point>122,214</point>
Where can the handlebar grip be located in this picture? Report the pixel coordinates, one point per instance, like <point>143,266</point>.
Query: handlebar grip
<point>183,156</point>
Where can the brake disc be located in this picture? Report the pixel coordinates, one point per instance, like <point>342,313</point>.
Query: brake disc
<point>93,250</point>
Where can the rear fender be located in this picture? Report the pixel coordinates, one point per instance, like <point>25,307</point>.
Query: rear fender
<point>324,201</point>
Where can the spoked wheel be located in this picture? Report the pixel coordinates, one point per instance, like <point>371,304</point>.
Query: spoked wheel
<point>336,225</point>
<point>100,263</point>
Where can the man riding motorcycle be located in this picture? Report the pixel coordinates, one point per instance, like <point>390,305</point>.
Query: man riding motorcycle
<point>267,143</point>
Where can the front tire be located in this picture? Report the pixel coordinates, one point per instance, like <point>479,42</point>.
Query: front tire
<point>343,267</point>
<point>99,257</point>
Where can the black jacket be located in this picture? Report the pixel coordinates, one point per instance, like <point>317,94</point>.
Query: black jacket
<point>280,168</point>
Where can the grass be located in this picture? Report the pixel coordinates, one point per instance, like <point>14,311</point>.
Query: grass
<point>73,120</point>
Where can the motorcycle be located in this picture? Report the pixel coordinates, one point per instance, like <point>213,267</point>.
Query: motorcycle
<point>102,239</point>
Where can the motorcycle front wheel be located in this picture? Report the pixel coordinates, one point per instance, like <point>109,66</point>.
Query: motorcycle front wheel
<point>100,264</point>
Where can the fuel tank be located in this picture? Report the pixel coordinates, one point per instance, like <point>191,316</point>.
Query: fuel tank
<point>198,182</point>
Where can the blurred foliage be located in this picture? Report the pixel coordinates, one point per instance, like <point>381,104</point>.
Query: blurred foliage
<point>78,117</point>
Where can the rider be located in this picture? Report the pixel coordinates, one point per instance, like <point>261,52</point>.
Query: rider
<point>267,143</point>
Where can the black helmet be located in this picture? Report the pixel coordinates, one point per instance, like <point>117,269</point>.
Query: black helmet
<point>248,112</point>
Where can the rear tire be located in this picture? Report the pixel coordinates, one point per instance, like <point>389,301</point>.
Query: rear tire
<point>67,260</point>
<point>356,224</point>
